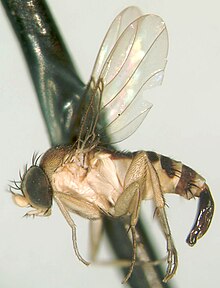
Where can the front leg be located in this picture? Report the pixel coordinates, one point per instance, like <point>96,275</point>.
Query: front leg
<point>68,203</point>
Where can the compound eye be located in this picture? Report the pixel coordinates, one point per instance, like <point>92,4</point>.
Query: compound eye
<point>36,188</point>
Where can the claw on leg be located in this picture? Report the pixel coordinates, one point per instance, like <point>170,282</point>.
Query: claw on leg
<point>172,259</point>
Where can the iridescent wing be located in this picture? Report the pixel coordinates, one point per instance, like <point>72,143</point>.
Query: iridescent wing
<point>120,23</point>
<point>133,56</point>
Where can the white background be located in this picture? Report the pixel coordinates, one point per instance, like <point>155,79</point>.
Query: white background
<point>184,124</point>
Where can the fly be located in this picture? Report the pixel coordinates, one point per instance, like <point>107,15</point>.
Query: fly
<point>92,180</point>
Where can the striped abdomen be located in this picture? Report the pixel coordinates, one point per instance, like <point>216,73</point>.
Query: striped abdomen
<point>178,178</point>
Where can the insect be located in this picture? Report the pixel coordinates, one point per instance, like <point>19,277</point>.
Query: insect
<point>92,179</point>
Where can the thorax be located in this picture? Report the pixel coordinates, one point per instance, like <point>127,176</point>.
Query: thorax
<point>96,176</point>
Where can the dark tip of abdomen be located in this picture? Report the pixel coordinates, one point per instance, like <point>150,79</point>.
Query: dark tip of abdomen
<point>203,218</point>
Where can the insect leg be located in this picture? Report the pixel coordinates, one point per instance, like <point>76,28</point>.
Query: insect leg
<point>130,200</point>
<point>96,232</point>
<point>172,258</point>
<point>71,224</point>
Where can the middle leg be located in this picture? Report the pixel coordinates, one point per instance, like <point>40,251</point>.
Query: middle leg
<point>130,200</point>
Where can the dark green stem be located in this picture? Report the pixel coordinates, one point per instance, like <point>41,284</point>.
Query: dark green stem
<point>53,73</point>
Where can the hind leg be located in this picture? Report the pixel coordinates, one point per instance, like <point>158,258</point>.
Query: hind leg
<point>159,201</point>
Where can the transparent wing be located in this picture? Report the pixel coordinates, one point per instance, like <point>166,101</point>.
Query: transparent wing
<point>121,21</point>
<point>136,60</point>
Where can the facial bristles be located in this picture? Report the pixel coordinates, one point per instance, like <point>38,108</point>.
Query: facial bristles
<point>36,156</point>
<point>16,186</point>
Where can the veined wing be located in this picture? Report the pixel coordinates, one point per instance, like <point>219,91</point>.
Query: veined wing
<point>136,60</point>
<point>95,86</point>
<point>120,23</point>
